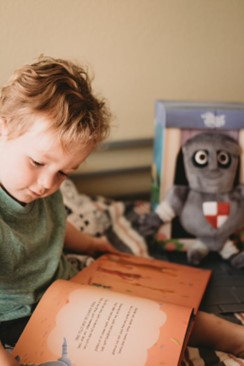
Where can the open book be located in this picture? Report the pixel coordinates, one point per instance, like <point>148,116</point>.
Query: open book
<point>121,310</point>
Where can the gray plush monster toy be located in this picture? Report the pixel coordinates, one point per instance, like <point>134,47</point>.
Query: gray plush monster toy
<point>211,207</point>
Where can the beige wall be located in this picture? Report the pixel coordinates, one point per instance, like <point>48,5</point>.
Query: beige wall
<point>139,50</point>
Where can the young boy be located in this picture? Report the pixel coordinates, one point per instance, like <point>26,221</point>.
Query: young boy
<point>50,121</point>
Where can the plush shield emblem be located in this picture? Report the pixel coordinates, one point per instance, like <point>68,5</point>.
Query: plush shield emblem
<point>216,213</point>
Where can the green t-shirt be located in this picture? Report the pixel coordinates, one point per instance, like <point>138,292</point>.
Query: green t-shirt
<point>31,252</point>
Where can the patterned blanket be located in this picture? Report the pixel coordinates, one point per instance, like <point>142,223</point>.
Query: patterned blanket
<point>120,223</point>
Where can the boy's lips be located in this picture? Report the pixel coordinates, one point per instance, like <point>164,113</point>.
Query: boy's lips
<point>36,194</point>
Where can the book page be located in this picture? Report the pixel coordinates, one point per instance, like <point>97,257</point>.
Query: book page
<point>150,278</point>
<point>96,327</point>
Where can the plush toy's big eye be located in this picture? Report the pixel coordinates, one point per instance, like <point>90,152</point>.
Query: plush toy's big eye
<point>200,158</point>
<point>224,159</point>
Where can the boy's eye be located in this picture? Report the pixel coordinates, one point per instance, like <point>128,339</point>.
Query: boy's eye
<point>36,163</point>
<point>63,173</point>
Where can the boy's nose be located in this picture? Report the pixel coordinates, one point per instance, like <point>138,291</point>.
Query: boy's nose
<point>46,181</point>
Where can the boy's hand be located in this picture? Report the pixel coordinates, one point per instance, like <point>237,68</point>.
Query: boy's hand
<point>82,243</point>
<point>6,359</point>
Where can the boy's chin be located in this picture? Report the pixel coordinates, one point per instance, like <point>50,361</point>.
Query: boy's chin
<point>23,197</point>
<point>28,197</point>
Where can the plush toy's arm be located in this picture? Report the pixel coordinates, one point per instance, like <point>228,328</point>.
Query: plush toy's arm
<point>165,212</point>
<point>149,224</point>
<point>173,203</point>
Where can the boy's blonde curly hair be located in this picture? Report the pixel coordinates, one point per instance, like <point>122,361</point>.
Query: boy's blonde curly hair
<point>59,90</point>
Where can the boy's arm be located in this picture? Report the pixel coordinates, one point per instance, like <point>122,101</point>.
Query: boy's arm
<point>6,359</point>
<point>82,243</point>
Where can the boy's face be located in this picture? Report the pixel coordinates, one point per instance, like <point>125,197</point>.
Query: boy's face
<point>34,164</point>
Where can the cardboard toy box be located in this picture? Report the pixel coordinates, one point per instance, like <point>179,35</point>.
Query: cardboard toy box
<point>175,122</point>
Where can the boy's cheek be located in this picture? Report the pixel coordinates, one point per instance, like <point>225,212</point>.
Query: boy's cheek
<point>55,188</point>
